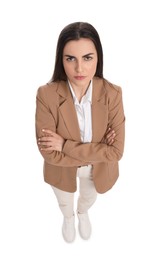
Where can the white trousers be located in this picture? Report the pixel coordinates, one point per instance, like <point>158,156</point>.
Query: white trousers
<point>87,193</point>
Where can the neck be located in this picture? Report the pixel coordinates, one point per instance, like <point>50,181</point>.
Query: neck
<point>80,91</point>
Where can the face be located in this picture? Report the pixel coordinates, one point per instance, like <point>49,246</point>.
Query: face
<point>80,61</point>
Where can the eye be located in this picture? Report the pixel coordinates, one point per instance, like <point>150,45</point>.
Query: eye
<point>87,58</point>
<point>70,58</point>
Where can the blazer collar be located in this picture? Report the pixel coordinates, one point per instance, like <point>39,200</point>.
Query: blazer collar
<point>98,89</point>
<point>63,89</point>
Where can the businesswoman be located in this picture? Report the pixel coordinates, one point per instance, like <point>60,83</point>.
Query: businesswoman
<point>80,126</point>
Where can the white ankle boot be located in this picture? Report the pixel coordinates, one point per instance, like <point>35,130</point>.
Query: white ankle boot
<point>68,229</point>
<point>84,225</point>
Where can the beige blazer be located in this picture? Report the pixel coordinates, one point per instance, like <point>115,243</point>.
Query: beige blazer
<point>55,111</point>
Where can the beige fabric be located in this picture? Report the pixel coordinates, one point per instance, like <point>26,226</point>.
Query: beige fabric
<point>55,110</point>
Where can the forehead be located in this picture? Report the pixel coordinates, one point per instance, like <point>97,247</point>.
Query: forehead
<point>81,46</point>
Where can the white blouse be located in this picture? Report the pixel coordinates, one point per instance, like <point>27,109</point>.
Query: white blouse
<point>84,113</point>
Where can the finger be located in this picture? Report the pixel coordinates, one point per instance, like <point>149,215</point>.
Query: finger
<point>45,139</point>
<point>111,133</point>
<point>45,144</point>
<point>47,131</point>
<point>111,139</point>
<point>110,142</point>
<point>108,130</point>
<point>45,149</point>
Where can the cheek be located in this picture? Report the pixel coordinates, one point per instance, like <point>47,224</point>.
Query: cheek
<point>67,69</point>
<point>93,68</point>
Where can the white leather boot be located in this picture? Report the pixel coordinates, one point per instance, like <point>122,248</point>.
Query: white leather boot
<point>84,225</point>
<point>68,229</point>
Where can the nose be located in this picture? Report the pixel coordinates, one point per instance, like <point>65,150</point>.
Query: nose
<point>79,66</point>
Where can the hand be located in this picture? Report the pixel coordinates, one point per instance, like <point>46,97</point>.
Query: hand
<point>109,137</point>
<point>50,141</point>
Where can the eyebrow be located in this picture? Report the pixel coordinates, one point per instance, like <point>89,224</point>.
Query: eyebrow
<point>71,56</point>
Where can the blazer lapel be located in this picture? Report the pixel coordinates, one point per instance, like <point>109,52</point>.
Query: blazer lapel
<point>99,110</point>
<point>68,112</point>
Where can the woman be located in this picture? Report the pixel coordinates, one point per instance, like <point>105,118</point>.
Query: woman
<point>79,126</point>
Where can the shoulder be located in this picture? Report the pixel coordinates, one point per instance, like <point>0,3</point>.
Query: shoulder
<point>111,88</point>
<point>47,93</point>
<point>106,89</point>
<point>48,88</point>
<point>53,89</point>
<point>113,91</point>
<point>107,85</point>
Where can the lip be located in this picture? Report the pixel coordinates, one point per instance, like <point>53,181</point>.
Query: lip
<point>79,77</point>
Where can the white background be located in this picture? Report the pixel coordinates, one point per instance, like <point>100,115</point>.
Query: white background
<point>126,219</point>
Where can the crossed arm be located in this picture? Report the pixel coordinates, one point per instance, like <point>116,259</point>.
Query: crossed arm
<point>58,151</point>
<point>51,141</point>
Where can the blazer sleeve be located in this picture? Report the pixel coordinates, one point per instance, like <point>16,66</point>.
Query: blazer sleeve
<point>46,118</point>
<point>101,152</point>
